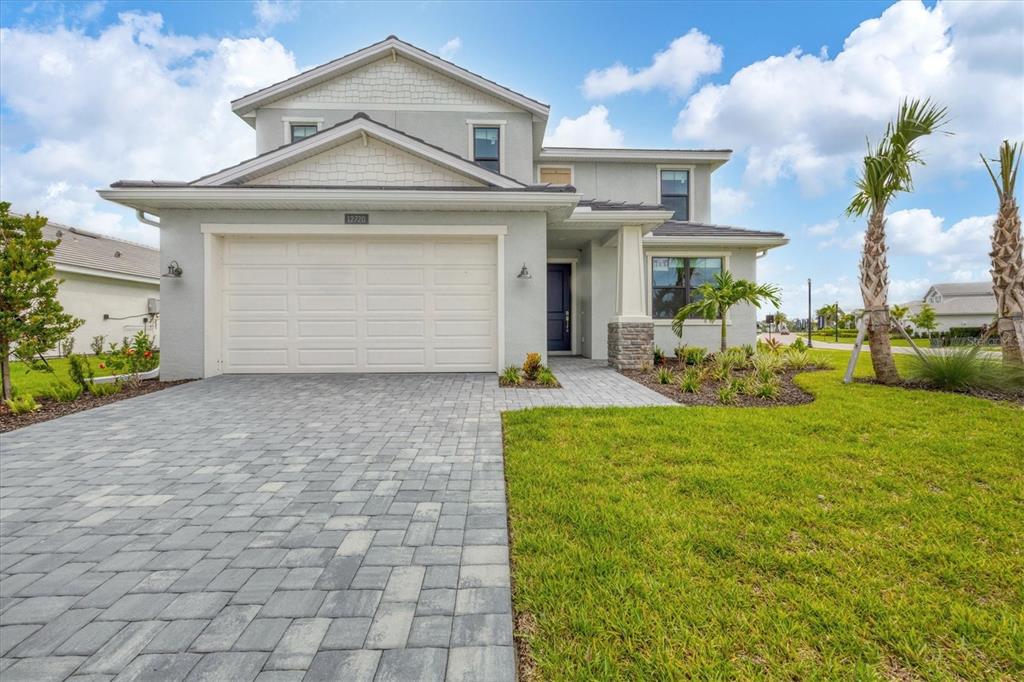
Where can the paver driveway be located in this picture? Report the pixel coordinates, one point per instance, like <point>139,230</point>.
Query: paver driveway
<point>270,527</point>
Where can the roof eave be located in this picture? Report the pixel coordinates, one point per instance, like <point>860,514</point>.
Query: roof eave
<point>715,157</point>
<point>758,242</point>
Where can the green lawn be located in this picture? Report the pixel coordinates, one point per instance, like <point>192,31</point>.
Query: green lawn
<point>850,339</point>
<point>876,533</point>
<point>36,382</point>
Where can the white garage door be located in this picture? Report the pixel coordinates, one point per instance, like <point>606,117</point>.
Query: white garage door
<point>359,304</point>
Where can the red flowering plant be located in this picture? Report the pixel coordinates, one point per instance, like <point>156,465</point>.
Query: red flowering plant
<point>132,357</point>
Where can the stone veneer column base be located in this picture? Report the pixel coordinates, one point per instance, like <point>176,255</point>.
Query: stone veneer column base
<point>630,344</point>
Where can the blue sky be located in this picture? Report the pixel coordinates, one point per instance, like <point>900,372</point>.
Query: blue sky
<point>91,92</point>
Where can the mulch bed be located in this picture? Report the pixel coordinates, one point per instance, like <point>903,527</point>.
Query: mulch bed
<point>51,409</point>
<point>529,383</point>
<point>789,393</point>
<point>910,385</point>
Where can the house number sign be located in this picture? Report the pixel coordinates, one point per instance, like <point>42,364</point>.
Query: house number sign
<point>357,218</point>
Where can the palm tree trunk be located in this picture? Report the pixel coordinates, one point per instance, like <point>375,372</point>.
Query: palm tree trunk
<point>1008,279</point>
<point>5,370</point>
<point>874,288</point>
<point>724,345</point>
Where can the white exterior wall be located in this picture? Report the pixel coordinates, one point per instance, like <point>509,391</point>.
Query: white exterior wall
<point>638,182</point>
<point>182,352</point>
<point>91,297</point>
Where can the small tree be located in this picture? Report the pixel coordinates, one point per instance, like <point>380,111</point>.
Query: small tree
<point>925,319</point>
<point>32,320</point>
<point>721,294</point>
<point>899,312</point>
<point>831,313</point>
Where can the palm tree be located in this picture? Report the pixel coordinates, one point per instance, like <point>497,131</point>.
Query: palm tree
<point>899,312</point>
<point>832,312</point>
<point>1008,256</point>
<point>718,296</point>
<point>886,172</point>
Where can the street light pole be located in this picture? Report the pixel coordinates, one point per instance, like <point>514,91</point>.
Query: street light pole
<point>809,343</point>
<point>837,321</point>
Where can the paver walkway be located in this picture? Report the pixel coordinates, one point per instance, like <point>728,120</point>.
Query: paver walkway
<point>329,527</point>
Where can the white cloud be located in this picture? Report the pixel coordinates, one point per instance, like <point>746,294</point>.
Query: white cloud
<point>728,203</point>
<point>806,116</point>
<point>449,49</point>
<point>675,69</point>
<point>824,229</point>
<point>270,13</point>
<point>918,231</point>
<point>592,129</point>
<point>132,101</point>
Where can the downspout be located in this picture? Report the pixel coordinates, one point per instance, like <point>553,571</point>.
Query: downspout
<point>141,215</point>
<point>758,256</point>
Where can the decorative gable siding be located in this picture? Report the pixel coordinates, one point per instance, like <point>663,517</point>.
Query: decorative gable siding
<point>391,82</point>
<point>374,163</point>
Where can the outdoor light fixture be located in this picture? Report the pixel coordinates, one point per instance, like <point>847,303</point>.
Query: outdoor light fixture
<point>173,269</point>
<point>524,273</point>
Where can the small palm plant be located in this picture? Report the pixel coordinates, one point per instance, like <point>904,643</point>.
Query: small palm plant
<point>721,294</point>
<point>1008,256</point>
<point>886,173</point>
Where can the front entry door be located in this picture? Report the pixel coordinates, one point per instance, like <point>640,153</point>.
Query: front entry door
<point>559,306</point>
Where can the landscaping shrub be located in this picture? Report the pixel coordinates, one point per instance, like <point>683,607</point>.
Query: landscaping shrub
<point>22,404</point>
<point>800,359</point>
<point>963,367</point>
<point>748,385</point>
<point>680,352</point>
<point>80,371</point>
<point>767,365</point>
<point>695,355</point>
<point>768,390</point>
<point>63,391</point>
<point>510,376</point>
<point>67,346</point>
<point>532,365</point>
<point>100,390</point>
<point>690,380</point>
<point>97,344</point>
<point>728,393</point>
<point>645,367</point>
<point>798,344</point>
<point>770,344</point>
<point>664,375</point>
<point>748,350</point>
<point>545,377</point>
<point>659,355</point>
<point>132,357</point>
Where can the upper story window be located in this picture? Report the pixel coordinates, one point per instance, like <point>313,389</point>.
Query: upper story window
<point>675,193</point>
<point>555,175</point>
<point>300,131</point>
<point>487,147</point>
<point>674,280</point>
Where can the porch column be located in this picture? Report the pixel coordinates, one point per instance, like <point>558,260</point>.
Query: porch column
<point>631,331</point>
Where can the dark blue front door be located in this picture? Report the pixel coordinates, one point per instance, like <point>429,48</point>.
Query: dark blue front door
<point>559,306</point>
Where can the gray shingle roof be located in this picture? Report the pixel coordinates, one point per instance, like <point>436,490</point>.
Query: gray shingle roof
<point>84,249</point>
<point>964,288</point>
<point>565,189</point>
<point>602,205</point>
<point>676,228</point>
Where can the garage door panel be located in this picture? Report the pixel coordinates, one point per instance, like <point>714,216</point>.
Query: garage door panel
<point>326,276</point>
<point>359,304</point>
<point>325,302</point>
<point>260,303</point>
<point>314,329</point>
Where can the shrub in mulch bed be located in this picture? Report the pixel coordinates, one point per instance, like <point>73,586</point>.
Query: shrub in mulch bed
<point>51,409</point>
<point>739,389</point>
<point>531,375</point>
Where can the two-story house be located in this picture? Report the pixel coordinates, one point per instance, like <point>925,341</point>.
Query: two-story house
<point>402,214</point>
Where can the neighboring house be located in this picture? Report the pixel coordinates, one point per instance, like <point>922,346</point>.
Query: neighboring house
<point>402,214</point>
<point>112,284</point>
<point>957,304</point>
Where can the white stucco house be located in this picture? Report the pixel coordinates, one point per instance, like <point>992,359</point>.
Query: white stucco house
<point>111,284</point>
<point>957,304</point>
<point>402,214</point>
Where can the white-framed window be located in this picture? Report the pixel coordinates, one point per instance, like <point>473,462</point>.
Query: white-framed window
<point>487,144</point>
<point>675,189</point>
<point>673,277</point>
<point>561,174</point>
<point>299,128</point>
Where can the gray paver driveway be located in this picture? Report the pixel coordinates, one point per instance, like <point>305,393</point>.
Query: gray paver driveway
<point>336,527</point>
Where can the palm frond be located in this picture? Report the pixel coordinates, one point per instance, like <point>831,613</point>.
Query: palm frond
<point>1009,164</point>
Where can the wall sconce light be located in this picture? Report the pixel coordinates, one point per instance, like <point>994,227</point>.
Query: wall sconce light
<point>524,273</point>
<point>173,269</point>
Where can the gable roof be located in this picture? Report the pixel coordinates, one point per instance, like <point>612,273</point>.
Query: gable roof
<point>81,249</point>
<point>951,289</point>
<point>346,131</point>
<point>244,106</point>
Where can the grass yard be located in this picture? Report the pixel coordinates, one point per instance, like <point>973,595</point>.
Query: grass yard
<point>876,533</point>
<point>852,338</point>
<point>36,383</point>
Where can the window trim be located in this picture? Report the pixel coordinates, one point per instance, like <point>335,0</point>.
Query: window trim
<point>561,166</point>
<point>471,125</point>
<point>689,184</point>
<point>288,121</point>
<point>649,257</point>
